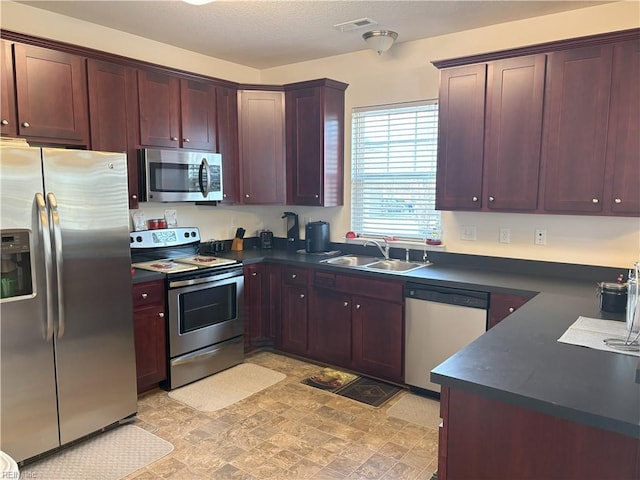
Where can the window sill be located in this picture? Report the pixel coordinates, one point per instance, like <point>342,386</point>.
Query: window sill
<point>410,244</point>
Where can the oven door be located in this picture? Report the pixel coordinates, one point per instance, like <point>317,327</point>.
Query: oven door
<point>204,312</point>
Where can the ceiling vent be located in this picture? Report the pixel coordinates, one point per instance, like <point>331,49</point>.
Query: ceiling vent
<point>355,24</point>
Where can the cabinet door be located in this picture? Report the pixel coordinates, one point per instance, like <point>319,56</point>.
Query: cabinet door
<point>112,113</point>
<point>159,104</point>
<point>151,361</point>
<point>8,118</point>
<point>51,92</point>
<point>198,103</point>
<point>378,338</point>
<point>502,305</point>
<point>294,327</point>
<point>577,110</point>
<point>623,142</point>
<point>227,140</point>
<point>330,327</point>
<point>255,311</point>
<point>460,138</point>
<point>513,133</point>
<point>262,154</point>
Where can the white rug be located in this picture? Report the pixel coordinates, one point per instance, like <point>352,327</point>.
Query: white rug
<point>416,409</point>
<point>227,387</point>
<point>112,455</point>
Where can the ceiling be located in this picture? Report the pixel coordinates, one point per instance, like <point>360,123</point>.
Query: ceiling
<point>263,33</point>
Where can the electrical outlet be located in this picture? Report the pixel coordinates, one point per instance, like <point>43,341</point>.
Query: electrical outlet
<point>541,237</point>
<point>468,232</point>
<point>505,235</point>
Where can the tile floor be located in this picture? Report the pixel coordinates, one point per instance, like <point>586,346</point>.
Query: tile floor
<point>287,431</point>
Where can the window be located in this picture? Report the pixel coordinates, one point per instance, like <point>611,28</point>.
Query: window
<point>393,170</point>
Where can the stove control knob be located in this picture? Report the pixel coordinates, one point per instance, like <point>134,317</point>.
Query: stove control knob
<point>138,238</point>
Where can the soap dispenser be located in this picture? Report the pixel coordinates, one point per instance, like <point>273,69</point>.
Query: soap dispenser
<point>293,230</point>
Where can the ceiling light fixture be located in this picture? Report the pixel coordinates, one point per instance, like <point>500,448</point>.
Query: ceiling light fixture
<point>198,2</point>
<point>380,40</point>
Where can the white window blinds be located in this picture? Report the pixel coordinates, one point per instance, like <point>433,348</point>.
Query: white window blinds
<point>393,170</point>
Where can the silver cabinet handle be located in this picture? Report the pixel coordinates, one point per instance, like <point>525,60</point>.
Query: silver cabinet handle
<point>161,314</point>
<point>26,124</point>
<point>186,140</point>
<point>5,122</point>
<point>474,198</point>
<point>358,306</point>
<point>618,200</point>
<point>254,274</point>
<point>595,200</point>
<point>134,196</point>
<point>511,309</point>
<point>174,139</point>
<point>144,295</point>
<point>346,304</point>
<point>224,195</point>
<point>293,275</point>
<point>246,195</point>
<point>492,199</point>
<point>302,295</point>
<point>43,224</point>
<point>317,196</point>
<point>57,245</point>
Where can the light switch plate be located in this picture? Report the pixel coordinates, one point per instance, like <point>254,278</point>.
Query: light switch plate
<point>468,232</point>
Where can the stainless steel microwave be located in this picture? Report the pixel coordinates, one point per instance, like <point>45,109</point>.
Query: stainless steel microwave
<point>180,175</point>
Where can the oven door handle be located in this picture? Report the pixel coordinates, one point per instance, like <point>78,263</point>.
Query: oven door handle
<point>201,354</point>
<point>198,281</point>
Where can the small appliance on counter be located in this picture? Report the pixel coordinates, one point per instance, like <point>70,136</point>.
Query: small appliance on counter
<point>293,230</point>
<point>317,237</point>
<point>266,239</point>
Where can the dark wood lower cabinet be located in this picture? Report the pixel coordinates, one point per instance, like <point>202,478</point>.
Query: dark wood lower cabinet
<point>483,438</point>
<point>330,326</point>
<point>378,338</point>
<point>294,322</point>
<point>502,305</point>
<point>150,334</point>
<point>261,305</point>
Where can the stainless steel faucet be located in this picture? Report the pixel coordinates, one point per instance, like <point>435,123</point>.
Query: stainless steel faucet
<point>384,251</point>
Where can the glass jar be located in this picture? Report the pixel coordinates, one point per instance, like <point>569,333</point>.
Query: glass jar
<point>613,297</point>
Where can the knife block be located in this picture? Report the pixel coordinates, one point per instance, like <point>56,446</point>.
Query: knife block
<point>237,245</point>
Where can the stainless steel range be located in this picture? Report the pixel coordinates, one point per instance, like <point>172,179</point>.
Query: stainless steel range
<point>204,301</point>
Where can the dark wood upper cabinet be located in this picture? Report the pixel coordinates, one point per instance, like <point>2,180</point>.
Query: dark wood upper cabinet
<point>112,114</point>
<point>460,138</point>
<point>577,112</point>
<point>159,104</point>
<point>622,191</point>
<point>513,133</point>
<point>261,146</point>
<point>315,142</point>
<point>198,114</point>
<point>227,141</point>
<point>51,93</point>
<point>8,117</point>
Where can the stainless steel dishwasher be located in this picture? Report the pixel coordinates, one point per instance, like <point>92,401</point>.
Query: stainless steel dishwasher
<point>439,321</point>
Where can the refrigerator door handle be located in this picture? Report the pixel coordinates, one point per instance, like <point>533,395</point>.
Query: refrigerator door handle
<point>43,227</point>
<point>57,244</point>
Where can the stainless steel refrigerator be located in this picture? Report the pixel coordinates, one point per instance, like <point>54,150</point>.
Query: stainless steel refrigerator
<point>66,340</point>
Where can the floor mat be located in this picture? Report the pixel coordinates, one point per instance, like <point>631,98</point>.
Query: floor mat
<point>226,388</point>
<point>330,380</point>
<point>112,455</point>
<point>369,391</point>
<point>416,409</point>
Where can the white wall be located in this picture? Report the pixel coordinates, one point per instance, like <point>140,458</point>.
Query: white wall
<point>402,74</point>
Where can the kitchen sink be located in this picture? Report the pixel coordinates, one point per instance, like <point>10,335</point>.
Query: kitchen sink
<point>373,263</point>
<point>351,261</point>
<point>394,266</point>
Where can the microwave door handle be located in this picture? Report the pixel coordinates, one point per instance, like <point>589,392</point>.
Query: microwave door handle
<point>57,245</point>
<point>204,188</point>
<point>45,235</point>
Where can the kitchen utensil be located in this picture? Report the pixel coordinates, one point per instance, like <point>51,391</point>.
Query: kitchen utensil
<point>237,244</point>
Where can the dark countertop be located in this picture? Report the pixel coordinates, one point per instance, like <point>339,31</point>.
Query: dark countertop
<point>519,361</point>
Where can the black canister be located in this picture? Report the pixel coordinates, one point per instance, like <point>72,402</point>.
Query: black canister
<point>613,297</point>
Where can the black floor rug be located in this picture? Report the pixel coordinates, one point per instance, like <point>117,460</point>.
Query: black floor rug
<point>362,389</point>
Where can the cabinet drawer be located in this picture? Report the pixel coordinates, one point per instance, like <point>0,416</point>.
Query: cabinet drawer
<point>295,276</point>
<point>324,279</point>
<point>148,293</point>
<point>367,287</point>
